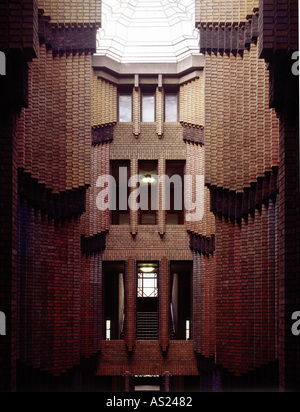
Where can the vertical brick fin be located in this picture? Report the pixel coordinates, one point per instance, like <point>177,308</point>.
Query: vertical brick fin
<point>136,112</point>
<point>130,304</point>
<point>240,129</point>
<point>8,242</point>
<point>160,112</point>
<point>50,322</point>
<point>192,102</point>
<point>93,220</point>
<point>30,27</point>
<point>90,316</point>
<point>104,102</point>
<point>164,304</point>
<point>162,198</point>
<point>196,303</point>
<point>133,213</point>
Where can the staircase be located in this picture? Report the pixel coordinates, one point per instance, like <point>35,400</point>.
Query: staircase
<point>172,333</point>
<point>147,326</point>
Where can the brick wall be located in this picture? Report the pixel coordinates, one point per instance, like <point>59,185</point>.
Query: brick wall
<point>50,142</point>
<point>147,359</point>
<point>278,29</point>
<point>241,159</point>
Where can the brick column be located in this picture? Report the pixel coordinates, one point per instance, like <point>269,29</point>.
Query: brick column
<point>128,382</point>
<point>196,303</point>
<point>8,250</point>
<point>162,194</point>
<point>289,283</point>
<point>133,213</point>
<point>159,112</point>
<point>164,304</point>
<point>130,304</point>
<point>166,382</point>
<point>136,111</point>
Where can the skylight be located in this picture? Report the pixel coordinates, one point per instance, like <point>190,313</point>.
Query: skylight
<point>148,30</point>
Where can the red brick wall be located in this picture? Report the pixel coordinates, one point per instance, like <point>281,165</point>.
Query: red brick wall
<point>130,304</point>
<point>147,359</point>
<point>164,304</point>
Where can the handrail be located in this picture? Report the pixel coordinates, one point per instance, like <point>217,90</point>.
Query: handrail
<point>172,316</point>
<point>123,324</point>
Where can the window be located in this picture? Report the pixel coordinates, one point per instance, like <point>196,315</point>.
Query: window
<point>125,108</point>
<point>171,107</point>
<point>175,192</point>
<point>120,171</point>
<point>147,282</point>
<point>149,192</point>
<point>148,108</point>
<point>108,330</point>
<point>188,330</point>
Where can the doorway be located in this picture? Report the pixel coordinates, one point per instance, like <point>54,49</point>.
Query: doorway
<point>147,301</point>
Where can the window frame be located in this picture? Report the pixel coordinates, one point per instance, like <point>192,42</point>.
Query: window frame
<point>149,212</point>
<point>154,106</point>
<point>165,106</point>
<point>120,94</point>
<point>115,214</point>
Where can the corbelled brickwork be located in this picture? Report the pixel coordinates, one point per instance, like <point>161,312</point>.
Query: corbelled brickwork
<point>238,127</point>
<point>50,142</point>
<point>241,158</point>
<point>247,169</point>
<point>147,359</point>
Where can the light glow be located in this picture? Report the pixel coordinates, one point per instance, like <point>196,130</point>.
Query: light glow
<point>148,269</point>
<point>148,30</point>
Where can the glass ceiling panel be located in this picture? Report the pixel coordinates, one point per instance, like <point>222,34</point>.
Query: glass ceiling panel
<point>148,30</point>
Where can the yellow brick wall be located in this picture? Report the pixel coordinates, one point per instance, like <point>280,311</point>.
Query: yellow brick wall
<point>191,104</point>
<point>104,103</point>
<point>221,11</point>
<point>70,13</point>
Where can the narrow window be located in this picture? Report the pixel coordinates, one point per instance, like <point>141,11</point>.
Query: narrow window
<point>147,284</point>
<point>188,330</point>
<point>125,108</point>
<point>120,170</point>
<point>108,330</point>
<point>148,108</point>
<point>148,211</point>
<point>175,192</point>
<point>171,107</point>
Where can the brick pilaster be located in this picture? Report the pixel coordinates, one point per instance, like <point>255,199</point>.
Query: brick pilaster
<point>164,304</point>
<point>130,304</point>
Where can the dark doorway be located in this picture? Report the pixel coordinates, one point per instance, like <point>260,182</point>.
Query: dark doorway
<point>181,300</point>
<point>113,299</point>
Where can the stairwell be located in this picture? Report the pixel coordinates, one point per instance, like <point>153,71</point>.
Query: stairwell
<point>147,326</point>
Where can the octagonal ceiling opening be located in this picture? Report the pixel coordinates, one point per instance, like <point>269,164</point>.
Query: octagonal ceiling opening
<point>144,31</point>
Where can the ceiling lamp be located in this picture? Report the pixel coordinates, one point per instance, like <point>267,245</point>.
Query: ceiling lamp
<point>148,269</point>
<point>148,179</point>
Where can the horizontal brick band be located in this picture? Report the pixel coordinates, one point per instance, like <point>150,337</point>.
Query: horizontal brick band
<point>224,38</point>
<point>102,135</point>
<point>236,205</point>
<point>67,39</point>
<point>93,244</point>
<point>193,134</point>
<point>201,244</point>
<point>59,206</point>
